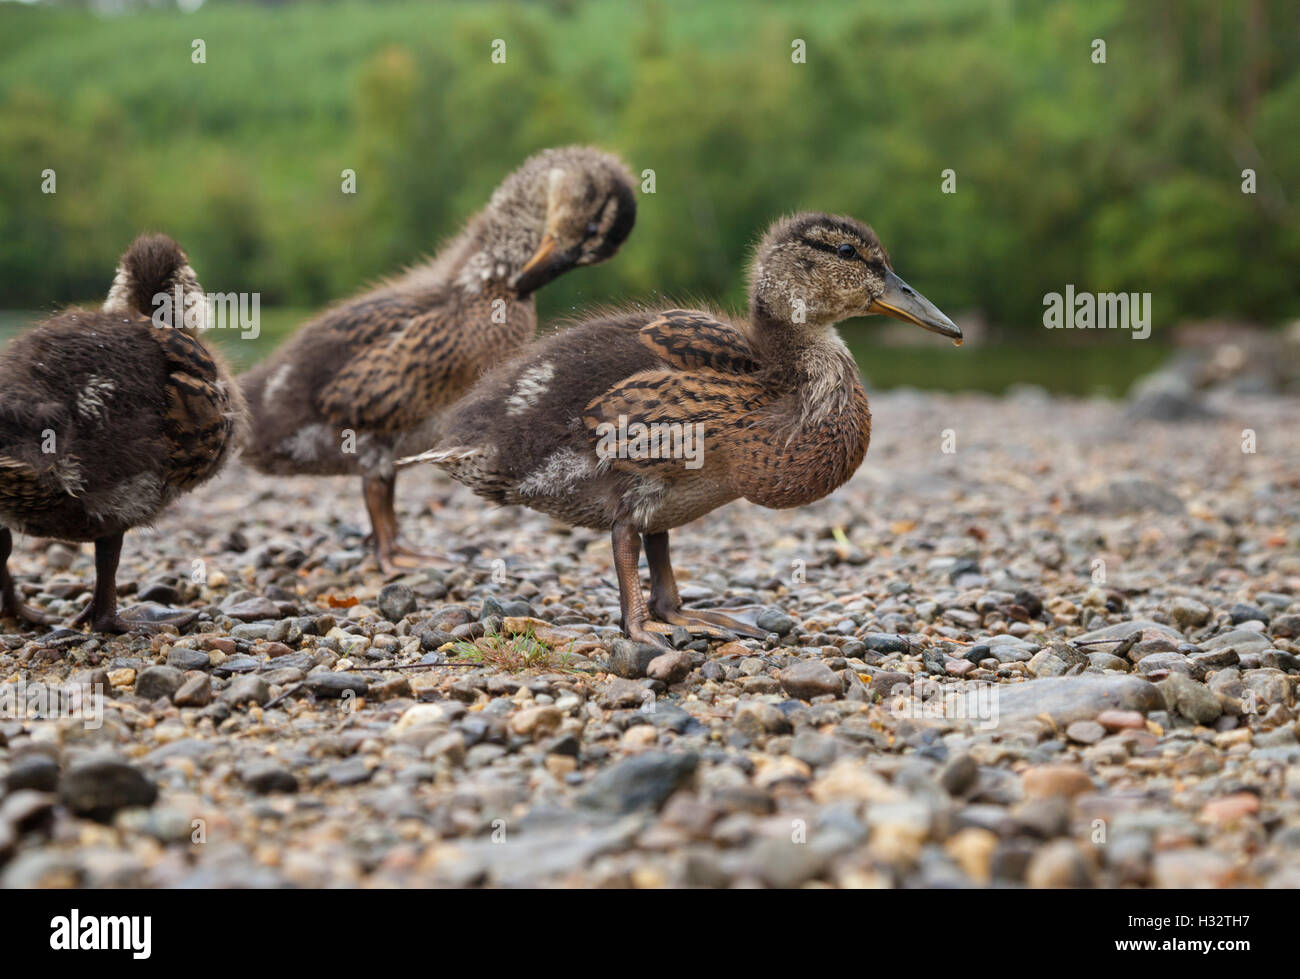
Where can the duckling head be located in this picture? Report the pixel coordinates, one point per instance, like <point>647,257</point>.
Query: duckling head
<point>564,207</point>
<point>813,270</point>
<point>154,279</point>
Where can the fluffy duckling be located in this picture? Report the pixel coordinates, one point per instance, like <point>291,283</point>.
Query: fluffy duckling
<point>106,416</point>
<point>365,382</point>
<point>769,408</point>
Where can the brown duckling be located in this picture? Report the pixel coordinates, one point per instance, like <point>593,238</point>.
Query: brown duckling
<point>365,382</point>
<point>106,416</point>
<point>769,408</point>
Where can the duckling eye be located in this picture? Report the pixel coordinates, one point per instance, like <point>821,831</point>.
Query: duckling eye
<point>847,251</point>
<point>593,229</point>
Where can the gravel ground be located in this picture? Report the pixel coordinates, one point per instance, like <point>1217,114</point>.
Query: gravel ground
<point>1064,653</point>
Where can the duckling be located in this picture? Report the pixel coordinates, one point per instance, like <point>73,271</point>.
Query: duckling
<point>769,408</point>
<point>365,382</point>
<point>106,416</point>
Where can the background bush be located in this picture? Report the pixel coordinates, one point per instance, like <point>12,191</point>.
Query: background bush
<point>1123,176</point>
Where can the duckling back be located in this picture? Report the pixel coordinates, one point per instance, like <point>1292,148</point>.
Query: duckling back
<point>106,417</point>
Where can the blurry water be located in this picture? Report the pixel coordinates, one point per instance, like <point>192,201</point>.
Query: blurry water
<point>1108,367</point>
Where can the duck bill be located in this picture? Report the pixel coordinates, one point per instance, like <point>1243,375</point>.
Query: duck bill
<point>548,262</point>
<point>902,302</point>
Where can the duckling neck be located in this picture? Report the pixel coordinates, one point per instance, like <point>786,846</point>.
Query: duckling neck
<point>811,362</point>
<point>799,351</point>
<point>500,239</point>
<point>487,255</point>
<point>818,415</point>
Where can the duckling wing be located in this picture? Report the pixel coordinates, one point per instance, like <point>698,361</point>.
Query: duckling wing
<point>705,390</point>
<point>689,339</point>
<point>650,422</point>
<point>199,415</point>
<point>393,383</point>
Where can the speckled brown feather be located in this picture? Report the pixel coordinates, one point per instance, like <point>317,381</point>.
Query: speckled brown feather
<point>22,487</point>
<point>690,339</point>
<point>407,373</point>
<point>202,413</point>
<point>776,469</point>
<point>723,405</point>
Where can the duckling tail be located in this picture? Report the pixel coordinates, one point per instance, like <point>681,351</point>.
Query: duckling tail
<point>24,487</point>
<point>440,456</point>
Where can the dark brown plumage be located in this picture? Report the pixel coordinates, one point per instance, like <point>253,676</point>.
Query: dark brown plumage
<point>366,381</point>
<point>108,415</point>
<point>774,403</point>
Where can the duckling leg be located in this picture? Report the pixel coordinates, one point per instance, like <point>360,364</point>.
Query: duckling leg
<point>10,607</point>
<point>666,604</point>
<point>390,551</point>
<point>101,614</point>
<point>637,624</point>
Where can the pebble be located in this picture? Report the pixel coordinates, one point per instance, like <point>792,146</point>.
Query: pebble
<point>1075,698</point>
<point>1058,864</point>
<point>883,642</point>
<point>622,693</point>
<point>630,659</point>
<point>1192,700</point>
<point>1188,613</point>
<point>1192,869</point>
<point>185,659</point>
<point>253,609</point>
<point>335,685</point>
<point>959,774</point>
<point>1120,720</point>
<point>639,782</point>
<point>756,718</point>
<point>973,850</point>
<point>98,787</point>
<point>28,810</point>
<point>196,691</point>
<point>774,620</point>
<point>813,749</point>
<point>808,679</point>
<point>1230,809</point>
<point>1241,640</point>
<point>536,722</point>
<point>267,777</point>
<point>396,602</point>
<point>1241,612</point>
<point>158,681</point>
<point>246,689</point>
<point>1086,732</point>
<point>37,772</point>
<point>354,771</point>
<point>669,667</point>
<point>1046,781</point>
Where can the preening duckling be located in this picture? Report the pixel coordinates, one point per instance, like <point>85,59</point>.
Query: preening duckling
<point>366,381</point>
<point>641,422</point>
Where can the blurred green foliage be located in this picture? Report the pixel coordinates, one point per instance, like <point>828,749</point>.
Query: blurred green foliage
<point>1117,176</point>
